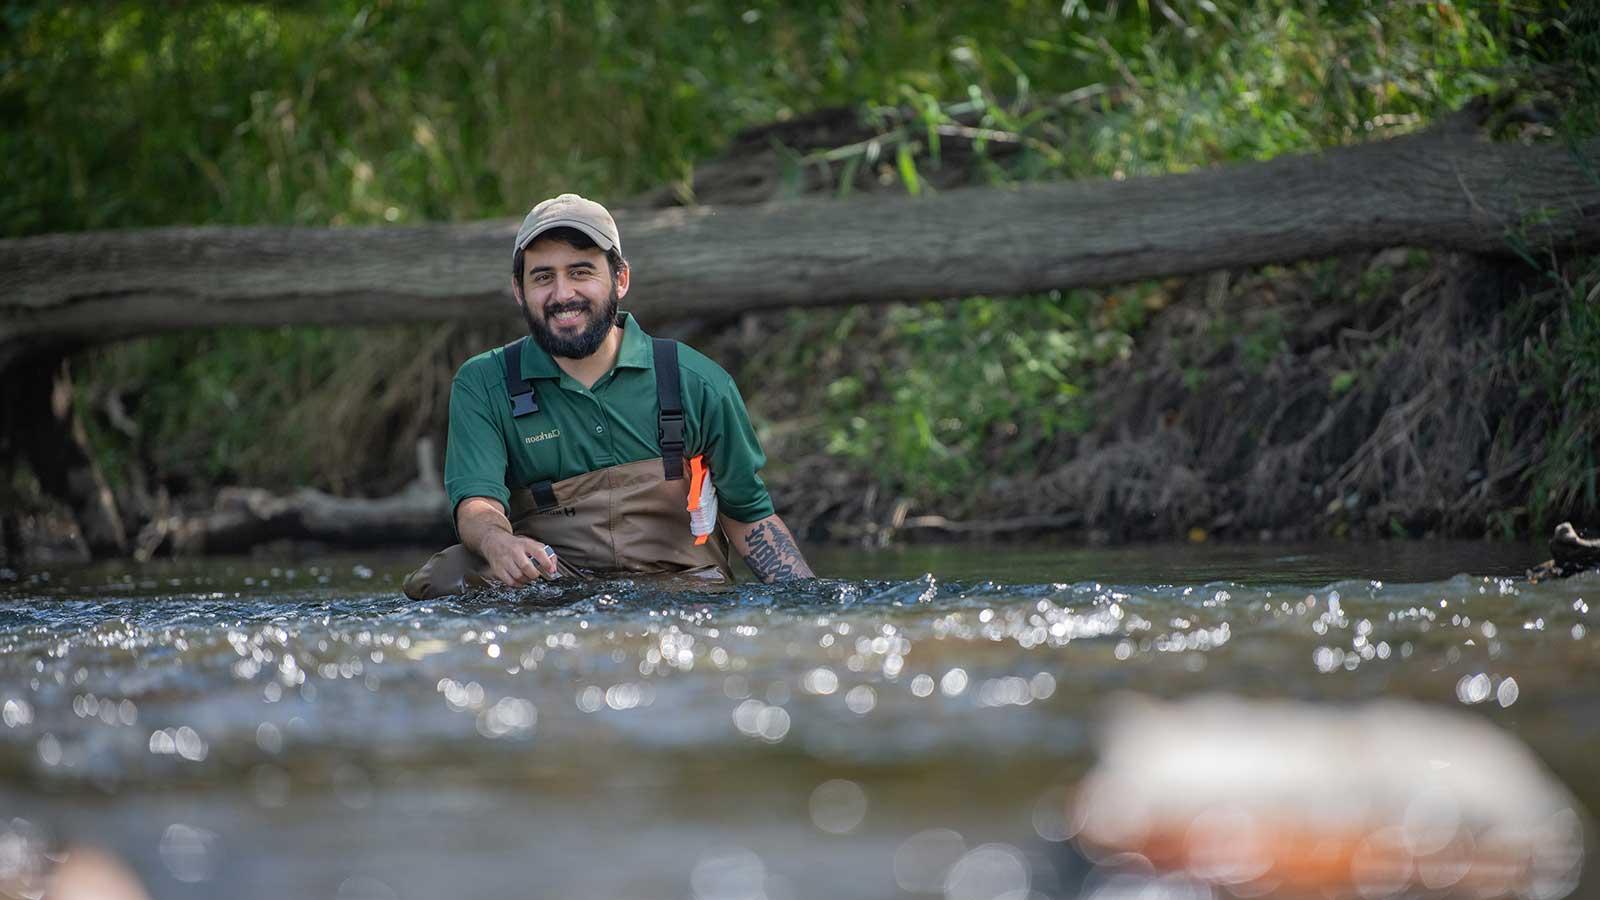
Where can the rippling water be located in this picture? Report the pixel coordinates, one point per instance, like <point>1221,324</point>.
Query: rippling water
<point>258,729</point>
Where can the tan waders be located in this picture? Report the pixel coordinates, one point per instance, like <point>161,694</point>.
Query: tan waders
<point>622,521</point>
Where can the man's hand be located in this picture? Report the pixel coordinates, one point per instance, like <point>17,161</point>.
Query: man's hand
<point>767,548</point>
<point>513,559</point>
<point>516,560</point>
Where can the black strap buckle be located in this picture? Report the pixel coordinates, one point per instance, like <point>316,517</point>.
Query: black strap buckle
<point>672,432</point>
<point>523,400</point>
<point>524,404</point>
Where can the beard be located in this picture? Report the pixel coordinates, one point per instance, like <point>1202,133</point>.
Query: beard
<point>576,346</point>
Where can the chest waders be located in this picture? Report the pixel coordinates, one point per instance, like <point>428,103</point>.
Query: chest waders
<point>620,521</point>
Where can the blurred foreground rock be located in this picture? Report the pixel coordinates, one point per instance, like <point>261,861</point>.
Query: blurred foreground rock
<point>1290,799</point>
<point>89,874</point>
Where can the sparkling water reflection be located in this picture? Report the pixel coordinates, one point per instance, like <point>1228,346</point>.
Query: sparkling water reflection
<point>306,731</point>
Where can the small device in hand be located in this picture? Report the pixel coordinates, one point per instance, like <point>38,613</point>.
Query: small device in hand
<point>550,552</point>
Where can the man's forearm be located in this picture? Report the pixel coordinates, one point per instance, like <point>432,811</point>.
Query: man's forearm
<point>511,558</point>
<point>476,517</point>
<point>767,548</point>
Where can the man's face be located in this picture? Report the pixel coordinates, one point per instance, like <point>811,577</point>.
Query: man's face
<point>568,297</point>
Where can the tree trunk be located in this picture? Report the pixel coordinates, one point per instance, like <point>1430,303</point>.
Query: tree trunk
<point>1441,190</point>
<point>41,427</point>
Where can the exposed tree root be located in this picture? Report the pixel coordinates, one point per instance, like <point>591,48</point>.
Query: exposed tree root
<point>1570,553</point>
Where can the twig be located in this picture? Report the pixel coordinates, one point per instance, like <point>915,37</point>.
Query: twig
<point>975,134</point>
<point>992,526</point>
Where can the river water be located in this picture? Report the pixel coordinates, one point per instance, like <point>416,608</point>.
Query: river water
<point>252,728</point>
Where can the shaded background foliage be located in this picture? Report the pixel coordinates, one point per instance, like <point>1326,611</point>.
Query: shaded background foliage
<point>335,113</point>
<point>367,112</point>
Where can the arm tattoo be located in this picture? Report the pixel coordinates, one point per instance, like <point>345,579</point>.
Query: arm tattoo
<point>773,555</point>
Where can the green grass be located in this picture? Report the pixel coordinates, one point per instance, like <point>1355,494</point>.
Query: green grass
<point>368,112</point>
<point>935,399</point>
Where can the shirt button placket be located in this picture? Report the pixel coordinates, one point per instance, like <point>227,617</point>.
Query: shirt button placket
<point>609,451</point>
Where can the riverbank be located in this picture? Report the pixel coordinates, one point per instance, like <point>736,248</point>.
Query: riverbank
<point>1399,394</point>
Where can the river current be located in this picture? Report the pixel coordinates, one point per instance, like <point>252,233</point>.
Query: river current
<point>912,725</point>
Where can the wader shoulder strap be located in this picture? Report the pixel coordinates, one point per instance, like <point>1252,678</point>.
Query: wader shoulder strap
<point>670,400</point>
<point>523,400</point>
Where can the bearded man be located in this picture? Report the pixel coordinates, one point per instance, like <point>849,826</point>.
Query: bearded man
<point>581,453</point>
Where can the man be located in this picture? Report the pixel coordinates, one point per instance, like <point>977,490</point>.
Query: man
<point>575,454</point>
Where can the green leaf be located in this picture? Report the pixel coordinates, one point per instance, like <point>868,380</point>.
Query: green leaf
<point>908,170</point>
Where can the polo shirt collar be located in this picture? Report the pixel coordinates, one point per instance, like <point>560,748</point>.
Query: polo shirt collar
<point>635,352</point>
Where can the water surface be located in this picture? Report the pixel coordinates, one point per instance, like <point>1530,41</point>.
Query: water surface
<point>254,728</point>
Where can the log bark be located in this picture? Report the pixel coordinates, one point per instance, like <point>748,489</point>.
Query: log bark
<point>1440,190</point>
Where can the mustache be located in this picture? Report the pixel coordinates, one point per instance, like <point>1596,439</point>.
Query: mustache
<point>555,309</point>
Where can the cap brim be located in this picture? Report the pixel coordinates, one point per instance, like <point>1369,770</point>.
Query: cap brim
<point>603,242</point>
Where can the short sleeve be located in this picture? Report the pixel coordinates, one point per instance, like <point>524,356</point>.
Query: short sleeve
<point>475,452</point>
<point>735,454</point>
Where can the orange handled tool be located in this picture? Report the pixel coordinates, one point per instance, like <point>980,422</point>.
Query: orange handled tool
<point>702,500</point>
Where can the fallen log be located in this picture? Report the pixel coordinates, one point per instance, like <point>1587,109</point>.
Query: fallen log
<point>244,517</point>
<point>1436,189</point>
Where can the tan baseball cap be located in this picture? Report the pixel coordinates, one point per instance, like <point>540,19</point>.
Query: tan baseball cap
<point>571,211</point>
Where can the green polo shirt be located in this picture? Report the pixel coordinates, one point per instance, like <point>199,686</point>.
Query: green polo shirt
<point>579,429</point>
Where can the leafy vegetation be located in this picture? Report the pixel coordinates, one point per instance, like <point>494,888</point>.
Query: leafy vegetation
<point>393,111</point>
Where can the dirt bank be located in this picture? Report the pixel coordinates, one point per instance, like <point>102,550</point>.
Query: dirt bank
<point>1394,394</point>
